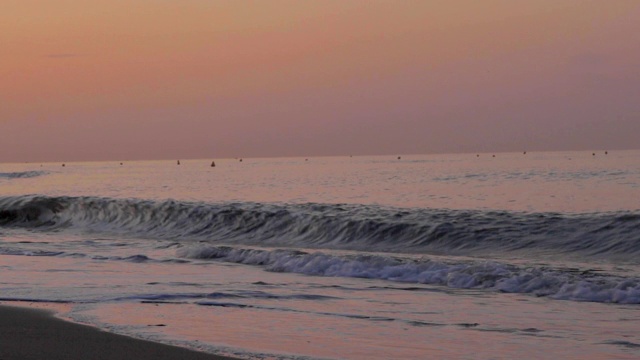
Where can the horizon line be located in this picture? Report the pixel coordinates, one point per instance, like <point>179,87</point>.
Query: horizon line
<point>320,156</point>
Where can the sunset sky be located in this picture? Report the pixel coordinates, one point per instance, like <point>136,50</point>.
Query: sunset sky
<point>167,79</point>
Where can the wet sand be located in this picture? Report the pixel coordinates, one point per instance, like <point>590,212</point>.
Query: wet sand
<point>27,333</point>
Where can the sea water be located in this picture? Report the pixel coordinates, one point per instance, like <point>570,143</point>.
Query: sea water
<point>532,255</point>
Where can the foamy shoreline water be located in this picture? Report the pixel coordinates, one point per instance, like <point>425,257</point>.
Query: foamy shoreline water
<point>340,257</point>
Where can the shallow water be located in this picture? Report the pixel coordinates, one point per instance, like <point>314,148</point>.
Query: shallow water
<point>448,256</point>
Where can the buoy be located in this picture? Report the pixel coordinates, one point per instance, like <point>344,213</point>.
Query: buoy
<point>213,164</point>
<point>178,162</point>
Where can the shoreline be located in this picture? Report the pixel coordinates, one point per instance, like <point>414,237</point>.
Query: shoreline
<point>34,333</point>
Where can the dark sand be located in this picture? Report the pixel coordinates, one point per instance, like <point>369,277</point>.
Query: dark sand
<point>36,334</point>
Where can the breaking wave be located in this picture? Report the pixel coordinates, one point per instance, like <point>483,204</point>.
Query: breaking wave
<point>22,174</point>
<point>558,283</point>
<point>351,227</point>
<point>613,236</point>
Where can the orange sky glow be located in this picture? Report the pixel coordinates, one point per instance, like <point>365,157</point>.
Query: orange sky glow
<point>165,79</point>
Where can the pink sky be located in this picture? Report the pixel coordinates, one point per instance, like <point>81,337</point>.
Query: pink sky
<point>167,79</point>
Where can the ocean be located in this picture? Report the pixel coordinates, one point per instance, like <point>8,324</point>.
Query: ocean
<point>467,256</point>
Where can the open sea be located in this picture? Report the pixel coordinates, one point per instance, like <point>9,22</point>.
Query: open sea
<point>466,256</point>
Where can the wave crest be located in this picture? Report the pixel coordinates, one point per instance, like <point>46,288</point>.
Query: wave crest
<point>348,227</point>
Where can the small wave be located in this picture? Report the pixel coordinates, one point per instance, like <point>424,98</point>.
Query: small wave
<point>161,297</point>
<point>31,300</point>
<point>225,295</point>
<point>138,258</point>
<point>22,174</point>
<point>265,295</point>
<point>532,175</point>
<point>566,284</point>
<point>24,252</point>
<point>223,304</point>
<point>623,343</point>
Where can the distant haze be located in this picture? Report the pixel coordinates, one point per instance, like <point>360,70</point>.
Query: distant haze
<point>168,79</point>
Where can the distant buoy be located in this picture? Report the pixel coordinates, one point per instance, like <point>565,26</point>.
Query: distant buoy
<point>494,156</point>
<point>399,157</point>
<point>477,155</point>
<point>606,152</point>
<point>63,165</point>
<point>120,164</point>
<point>240,160</point>
<point>178,162</point>
<point>593,154</point>
<point>213,164</point>
<point>524,153</point>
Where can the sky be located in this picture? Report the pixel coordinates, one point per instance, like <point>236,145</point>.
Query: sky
<point>167,79</point>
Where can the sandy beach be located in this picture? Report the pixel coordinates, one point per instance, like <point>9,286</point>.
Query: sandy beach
<point>27,333</point>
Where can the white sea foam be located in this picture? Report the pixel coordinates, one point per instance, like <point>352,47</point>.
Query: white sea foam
<point>565,284</point>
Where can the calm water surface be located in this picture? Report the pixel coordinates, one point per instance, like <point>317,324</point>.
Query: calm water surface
<point>566,182</point>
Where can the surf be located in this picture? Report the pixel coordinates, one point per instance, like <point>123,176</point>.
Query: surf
<point>610,236</point>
